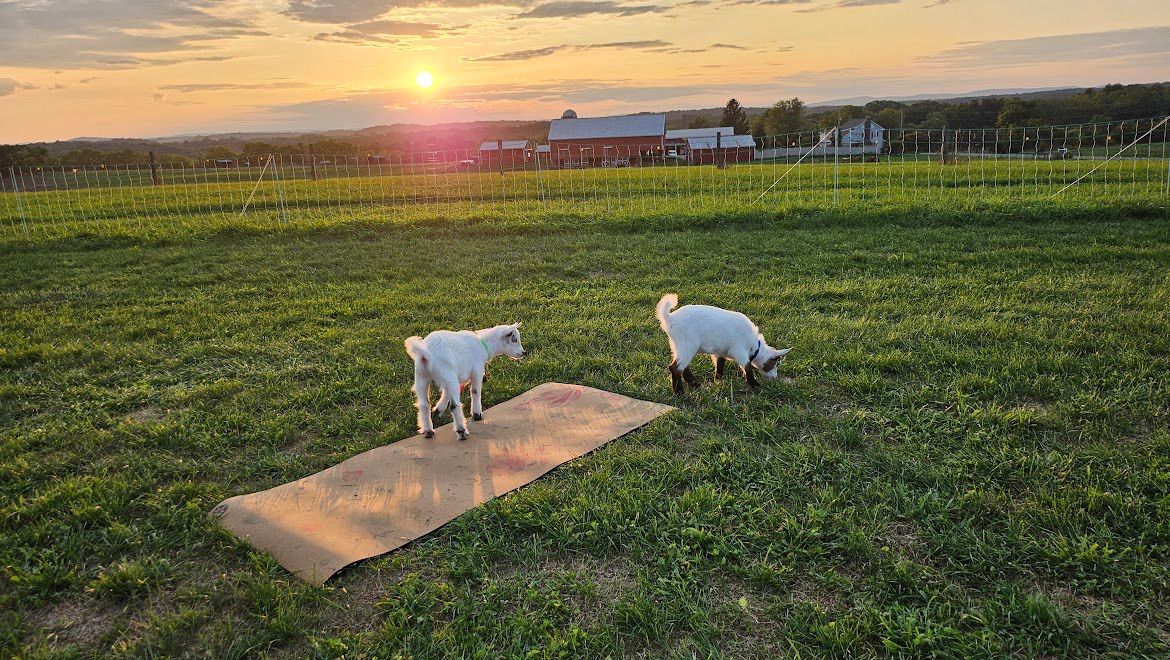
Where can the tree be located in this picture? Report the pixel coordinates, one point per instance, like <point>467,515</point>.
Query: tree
<point>258,147</point>
<point>889,118</point>
<point>783,117</point>
<point>215,153</point>
<point>734,115</point>
<point>699,121</point>
<point>20,155</point>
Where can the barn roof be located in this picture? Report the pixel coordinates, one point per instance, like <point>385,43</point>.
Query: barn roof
<point>684,133</point>
<point>543,149</point>
<point>508,144</point>
<point>725,142</point>
<point>626,126</point>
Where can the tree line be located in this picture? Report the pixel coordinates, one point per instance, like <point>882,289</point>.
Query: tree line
<point>1109,103</point>
<point>1105,104</point>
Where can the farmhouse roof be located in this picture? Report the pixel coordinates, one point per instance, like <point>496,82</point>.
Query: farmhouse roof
<point>508,144</point>
<point>854,123</point>
<point>684,133</point>
<point>725,142</point>
<point>626,126</point>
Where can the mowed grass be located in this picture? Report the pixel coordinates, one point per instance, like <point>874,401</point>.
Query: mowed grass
<point>231,198</point>
<point>968,455</point>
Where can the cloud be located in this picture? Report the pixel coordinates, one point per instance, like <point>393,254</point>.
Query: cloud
<point>385,31</point>
<point>731,46</point>
<point>847,4</point>
<point>517,55</point>
<point>577,8</point>
<point>534,53</point>
<point>106,34</point>
<point>187,88</point>
<point>1057,48</point>
<point>351,11</point>
<point>8,86</point>
<point>770,2</point>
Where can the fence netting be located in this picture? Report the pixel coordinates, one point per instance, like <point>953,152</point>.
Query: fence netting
<point>1109,161</point>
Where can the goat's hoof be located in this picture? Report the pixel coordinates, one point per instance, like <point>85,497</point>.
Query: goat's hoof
<point>428,434</point>
<point>462,434</point>
<point>477,417</point>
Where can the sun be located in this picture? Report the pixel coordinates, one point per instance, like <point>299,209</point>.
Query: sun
<point>424,79</point>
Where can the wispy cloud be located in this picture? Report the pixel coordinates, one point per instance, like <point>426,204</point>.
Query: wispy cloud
<point>89,34</point>
<point>534,53</point>
<point>217,87</point>
<point>577,8</point>
<point>1056,48</point>
<point>356,11</point>
<point>9,86</point>
<point>389,32</point>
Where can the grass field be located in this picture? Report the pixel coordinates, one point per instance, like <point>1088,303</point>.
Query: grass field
<point>969,455</point>
<point>224,199</point>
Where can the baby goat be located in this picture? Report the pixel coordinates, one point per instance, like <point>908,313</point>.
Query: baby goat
<point>718,332</point>
<point>449,359</point>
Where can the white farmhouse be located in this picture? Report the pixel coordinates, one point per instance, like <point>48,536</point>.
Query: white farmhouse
<point>857,133</point>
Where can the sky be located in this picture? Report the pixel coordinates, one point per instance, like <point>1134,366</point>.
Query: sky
<point>146,68</point>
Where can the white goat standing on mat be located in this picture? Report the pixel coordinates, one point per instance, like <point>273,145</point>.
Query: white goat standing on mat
<point>449,359</point>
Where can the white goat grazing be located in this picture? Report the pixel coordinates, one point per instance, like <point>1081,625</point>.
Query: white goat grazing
<point>720,333</point>
<point>450,359</point>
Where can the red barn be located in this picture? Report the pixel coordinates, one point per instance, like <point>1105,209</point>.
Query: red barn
<point>715,150</point>
<point>606,141</point>
<point>515,154</point>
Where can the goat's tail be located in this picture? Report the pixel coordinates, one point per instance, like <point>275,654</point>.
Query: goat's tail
<point>667,303</point>
<point>414,348</point>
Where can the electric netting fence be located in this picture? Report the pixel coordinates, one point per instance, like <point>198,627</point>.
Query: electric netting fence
<point>852,164</point>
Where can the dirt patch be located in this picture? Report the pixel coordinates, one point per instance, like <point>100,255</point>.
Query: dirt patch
<point>77,621</point>
<point>1083,604</point>
<point>146,415</point>
<point>902,537</point>
<point>359,593</point>
<point>825,597</point>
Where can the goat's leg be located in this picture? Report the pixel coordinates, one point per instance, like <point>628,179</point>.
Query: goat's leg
<point>720,365</point>
<point>451,393</point>
<point>749,376</point>
<point>422,391</point>
<point>678,372</point>
<point>477,397</point>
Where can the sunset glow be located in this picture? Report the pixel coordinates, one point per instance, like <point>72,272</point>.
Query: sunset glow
<point>139,68</point>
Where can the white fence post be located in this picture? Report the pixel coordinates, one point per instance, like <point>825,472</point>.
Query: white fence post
<point>279,190</point>
<point>19,203</point>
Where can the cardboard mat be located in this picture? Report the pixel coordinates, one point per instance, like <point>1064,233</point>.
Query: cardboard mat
<point>385,498</point>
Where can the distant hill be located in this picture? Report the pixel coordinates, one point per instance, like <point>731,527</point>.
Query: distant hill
<point>1024,94</point>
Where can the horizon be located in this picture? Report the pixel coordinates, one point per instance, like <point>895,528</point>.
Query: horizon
<point>144,70</point>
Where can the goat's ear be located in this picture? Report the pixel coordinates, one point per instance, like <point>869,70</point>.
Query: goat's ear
<point>516,325</point>
<point>782,352</point>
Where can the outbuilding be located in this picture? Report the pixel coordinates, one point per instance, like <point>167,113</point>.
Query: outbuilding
<point>613,141</point>
<point>514,153</point>
<point>721,149</point>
